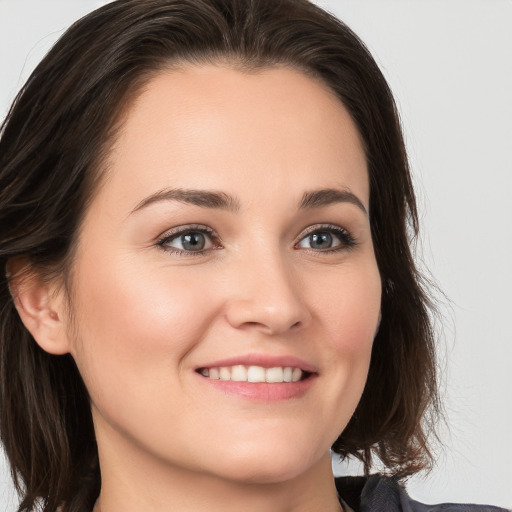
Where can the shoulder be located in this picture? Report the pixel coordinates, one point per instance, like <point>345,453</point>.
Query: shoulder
<point>378,493</point>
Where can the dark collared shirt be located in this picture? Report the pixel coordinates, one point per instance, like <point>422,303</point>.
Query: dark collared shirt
<point>378,493</point>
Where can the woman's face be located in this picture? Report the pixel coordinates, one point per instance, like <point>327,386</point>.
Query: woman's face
<point>230,243</point>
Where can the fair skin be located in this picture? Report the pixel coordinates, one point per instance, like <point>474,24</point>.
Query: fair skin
<point>169,287</point>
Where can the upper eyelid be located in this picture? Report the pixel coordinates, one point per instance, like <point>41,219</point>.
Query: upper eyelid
<point>322,225</point>
<point>318,227</point>
<point>178,230</point>
<point>203,228</point>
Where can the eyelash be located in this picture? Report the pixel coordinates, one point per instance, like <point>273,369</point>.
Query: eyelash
<point>347,240</point>
<point>181,231</point>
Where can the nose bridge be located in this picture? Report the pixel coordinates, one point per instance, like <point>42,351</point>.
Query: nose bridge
<point>266,293</point>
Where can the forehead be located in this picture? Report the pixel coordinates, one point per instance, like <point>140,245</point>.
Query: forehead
<point>217,127</point>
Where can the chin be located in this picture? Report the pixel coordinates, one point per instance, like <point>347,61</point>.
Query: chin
<point>268,465</point>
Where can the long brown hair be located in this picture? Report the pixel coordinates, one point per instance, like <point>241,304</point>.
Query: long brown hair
<point>51,149</point>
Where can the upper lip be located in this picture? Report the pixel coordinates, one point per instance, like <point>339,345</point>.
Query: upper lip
<point>263,360</point>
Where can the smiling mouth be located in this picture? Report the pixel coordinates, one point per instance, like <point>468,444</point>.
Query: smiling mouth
<point>243,373</point>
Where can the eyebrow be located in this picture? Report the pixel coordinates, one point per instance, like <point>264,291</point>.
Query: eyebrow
<point>202,198</point>
<point>223,201</point>
<point>328,196</point>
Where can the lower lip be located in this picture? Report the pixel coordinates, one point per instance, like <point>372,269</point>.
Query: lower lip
<point>262,391</point>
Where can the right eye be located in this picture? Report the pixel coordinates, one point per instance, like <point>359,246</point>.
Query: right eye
<point>189,241</point>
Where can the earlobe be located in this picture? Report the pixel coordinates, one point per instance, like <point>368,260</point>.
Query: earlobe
<point>40,307</point>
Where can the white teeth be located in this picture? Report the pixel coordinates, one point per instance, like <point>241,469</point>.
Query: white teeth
<point>241,373</point>
<point>296,374</point>
<point>224,373</point>
<point>256,374</point>
<point>275,375</point>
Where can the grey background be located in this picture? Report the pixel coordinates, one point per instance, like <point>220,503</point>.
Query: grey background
<point>450,66</point>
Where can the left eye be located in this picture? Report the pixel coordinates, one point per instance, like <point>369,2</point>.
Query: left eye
<point>326,239</point>
<point>189,241</point>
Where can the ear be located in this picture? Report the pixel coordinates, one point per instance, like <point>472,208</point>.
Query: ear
<point>40,305</point>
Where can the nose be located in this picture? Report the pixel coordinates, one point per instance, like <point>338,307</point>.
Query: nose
<point>266,295</point>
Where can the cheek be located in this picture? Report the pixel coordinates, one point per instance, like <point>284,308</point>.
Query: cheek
<point>349,315</point>
<point>132,323</point>
<point>128,303</point>
<point>351,308</point>
<point>346,307</point>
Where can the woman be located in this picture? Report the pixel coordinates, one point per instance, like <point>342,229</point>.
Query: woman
<point>203,290</point>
